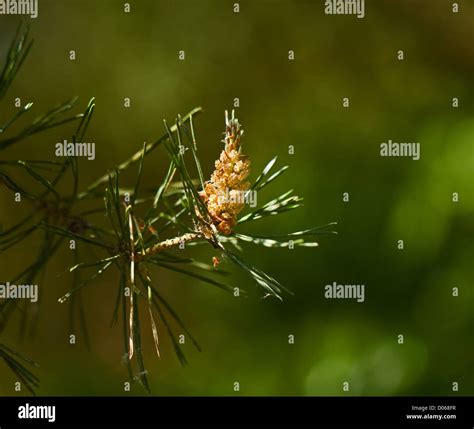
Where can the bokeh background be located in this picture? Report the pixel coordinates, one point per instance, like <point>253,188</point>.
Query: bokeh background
<point>282,103</point>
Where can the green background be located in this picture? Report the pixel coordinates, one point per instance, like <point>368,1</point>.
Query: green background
<point>282,103</point>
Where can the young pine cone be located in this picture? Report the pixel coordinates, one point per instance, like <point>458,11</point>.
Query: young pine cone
<point>224,193</point>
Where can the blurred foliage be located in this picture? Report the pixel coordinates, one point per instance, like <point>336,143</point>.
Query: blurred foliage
<point>282,103</point>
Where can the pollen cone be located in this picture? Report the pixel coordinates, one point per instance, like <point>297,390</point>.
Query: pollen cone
<point>224,192</point>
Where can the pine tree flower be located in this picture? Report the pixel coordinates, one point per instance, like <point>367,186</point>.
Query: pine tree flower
<point>224,193</point>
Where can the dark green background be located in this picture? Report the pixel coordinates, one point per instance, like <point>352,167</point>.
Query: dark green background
<point>282,103</point>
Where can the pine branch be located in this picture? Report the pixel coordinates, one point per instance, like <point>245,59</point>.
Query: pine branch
<point>14,361</point>
<point>184,208</point>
